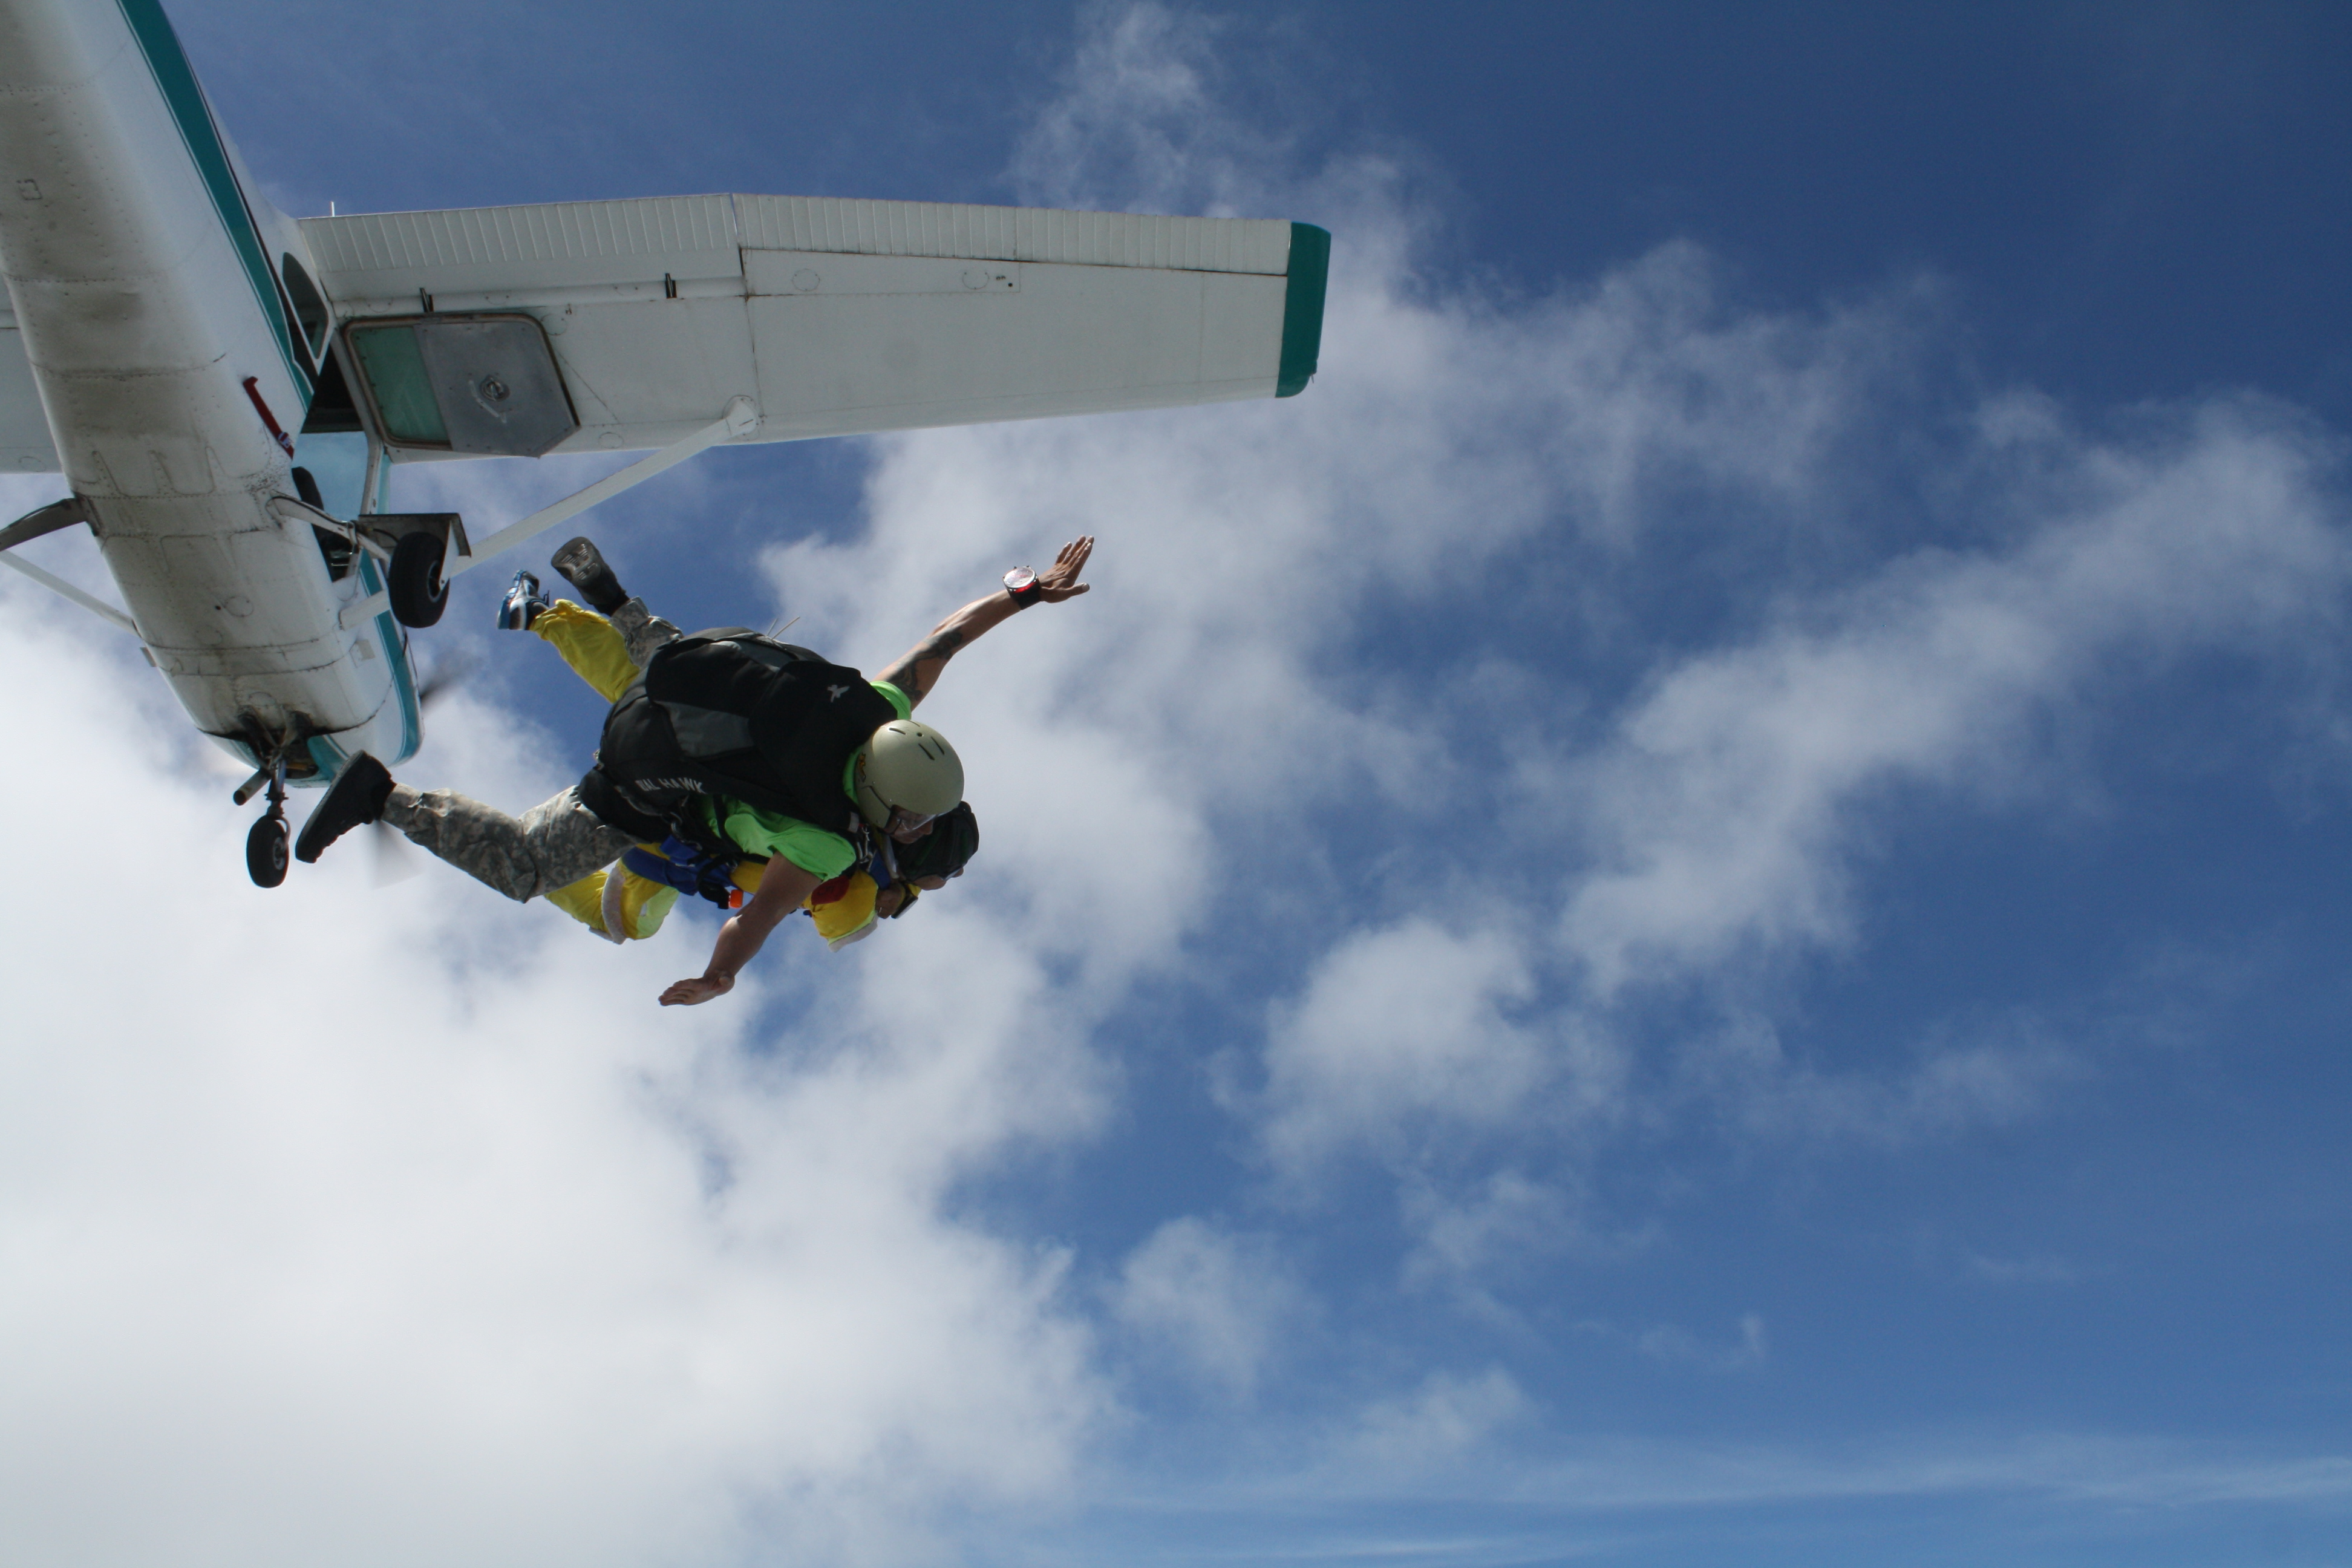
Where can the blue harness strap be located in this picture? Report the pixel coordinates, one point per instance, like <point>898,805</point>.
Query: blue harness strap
<point>688,868</point>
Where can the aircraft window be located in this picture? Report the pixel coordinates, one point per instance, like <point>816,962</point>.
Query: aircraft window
<point>336,464</point>
<point>395,376</point>
<point>486,385</point>
<point>310,310</point>
<point>332,408</point>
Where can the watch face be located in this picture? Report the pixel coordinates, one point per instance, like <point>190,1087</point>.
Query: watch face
<point>1019,579</point>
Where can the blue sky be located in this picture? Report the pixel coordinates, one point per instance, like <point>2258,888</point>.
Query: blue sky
<point>1691,914</point>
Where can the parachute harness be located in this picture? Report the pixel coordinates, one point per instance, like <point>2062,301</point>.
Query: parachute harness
<point>688,868</point>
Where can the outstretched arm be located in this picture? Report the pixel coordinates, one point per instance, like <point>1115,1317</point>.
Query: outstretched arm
<point>917,671</point>
<point>783,886</point>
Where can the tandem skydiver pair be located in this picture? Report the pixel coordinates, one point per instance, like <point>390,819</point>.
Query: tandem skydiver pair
<point>732,743</point>
<point>629,899</point>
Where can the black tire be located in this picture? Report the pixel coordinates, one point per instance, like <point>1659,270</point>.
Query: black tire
<point>265,852</point>
<point>418,594</point>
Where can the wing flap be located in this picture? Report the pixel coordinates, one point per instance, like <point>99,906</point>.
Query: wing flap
<point>1068,340</point>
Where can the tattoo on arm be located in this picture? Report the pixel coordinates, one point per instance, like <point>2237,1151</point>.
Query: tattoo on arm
<point>909,676</point>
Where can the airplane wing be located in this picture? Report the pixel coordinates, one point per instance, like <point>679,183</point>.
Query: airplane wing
<point>608,325</point>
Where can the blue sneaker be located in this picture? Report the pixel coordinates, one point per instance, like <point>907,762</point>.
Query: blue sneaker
<point>522,604</point>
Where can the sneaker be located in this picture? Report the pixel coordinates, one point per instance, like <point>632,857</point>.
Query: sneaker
<point>522,604</point>
<point>583,567</point>
<point>356,798</point>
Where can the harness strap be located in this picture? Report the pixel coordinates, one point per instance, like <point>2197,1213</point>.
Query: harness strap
<point>688,868</point>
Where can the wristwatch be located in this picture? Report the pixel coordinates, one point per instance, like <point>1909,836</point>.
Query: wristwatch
<point>1023,585</point>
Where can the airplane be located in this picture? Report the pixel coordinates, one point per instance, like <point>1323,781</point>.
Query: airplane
<point>226,390</point>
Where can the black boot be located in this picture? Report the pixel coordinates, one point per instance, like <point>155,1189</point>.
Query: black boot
<point>583,567</point>
<point>356,798</point>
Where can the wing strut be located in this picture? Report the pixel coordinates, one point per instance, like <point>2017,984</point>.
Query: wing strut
<point>58,514</point>
<point>742,418</point>
<point>98,607</point>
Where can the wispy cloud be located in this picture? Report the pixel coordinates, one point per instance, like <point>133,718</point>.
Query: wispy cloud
<point>1410,1017</point>
<point>1432,1429</point>
<point>1629,1497</point>
<point>1220,1302</point>
<point>1730,803</point>
<point>1679,1346</point>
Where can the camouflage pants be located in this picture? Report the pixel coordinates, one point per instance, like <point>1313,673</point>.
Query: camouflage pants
<point>642,630</point>
<point>553,845</point>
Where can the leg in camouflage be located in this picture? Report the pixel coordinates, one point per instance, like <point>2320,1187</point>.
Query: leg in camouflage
<point>644,631</point>
<point>553,845</point>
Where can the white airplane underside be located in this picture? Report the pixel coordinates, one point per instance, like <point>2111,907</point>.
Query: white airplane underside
<point>225,389</point>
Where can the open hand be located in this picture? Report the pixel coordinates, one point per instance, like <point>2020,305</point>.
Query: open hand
<point>701,988</point>
<point>1060,581</point>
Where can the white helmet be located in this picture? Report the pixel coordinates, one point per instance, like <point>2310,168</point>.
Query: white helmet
<point>910,766</point>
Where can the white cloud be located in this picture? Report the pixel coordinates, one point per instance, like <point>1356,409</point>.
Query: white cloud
<point>1219,1300</point>
<point>1197,757</point>
<point>1138,113</point>
<point>1434,1427</point>
<point>1679,1346</point>
<point>1505,1221</point>
<point>384,1227</point>
<point>1409,1017</point>
<point>1719,819</point>
<point>2021,1271</point>
<point>1549,1486</point>
<point>1726,807</point>
<point>1945,1084</point>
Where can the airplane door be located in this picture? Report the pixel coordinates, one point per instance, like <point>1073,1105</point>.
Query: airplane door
<point>485,385</point>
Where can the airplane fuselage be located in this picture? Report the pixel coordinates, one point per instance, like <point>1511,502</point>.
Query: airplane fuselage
<point>150,285</point>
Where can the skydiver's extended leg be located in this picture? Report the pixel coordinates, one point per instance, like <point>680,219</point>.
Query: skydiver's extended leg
<point>584,567</point>
<point>523,604</point>
<point>601,654</point>
<point>644,631</point>
<point>551,846</point>
<point>592,644</point>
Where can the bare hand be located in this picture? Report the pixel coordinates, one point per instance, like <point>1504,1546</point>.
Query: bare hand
<point>701,988</point>
<point>1060,581</point>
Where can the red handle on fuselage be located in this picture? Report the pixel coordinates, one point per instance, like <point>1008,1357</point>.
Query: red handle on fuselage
<point>253,390</point>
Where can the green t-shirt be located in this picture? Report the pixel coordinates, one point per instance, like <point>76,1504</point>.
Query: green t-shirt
<point>768,834</point>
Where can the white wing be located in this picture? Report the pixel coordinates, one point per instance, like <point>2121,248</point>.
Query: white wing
<point>836,316</point>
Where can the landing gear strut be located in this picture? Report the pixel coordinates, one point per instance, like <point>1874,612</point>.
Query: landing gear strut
<point>265,847</point>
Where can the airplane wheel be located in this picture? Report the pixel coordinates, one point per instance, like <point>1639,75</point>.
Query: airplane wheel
<point>265,851</point>
<point>418,594</point>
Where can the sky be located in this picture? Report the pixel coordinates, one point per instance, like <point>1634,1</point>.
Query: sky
<point>1690,914</point>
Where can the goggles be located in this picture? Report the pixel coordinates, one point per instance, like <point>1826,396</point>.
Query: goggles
<point>904,824</point>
